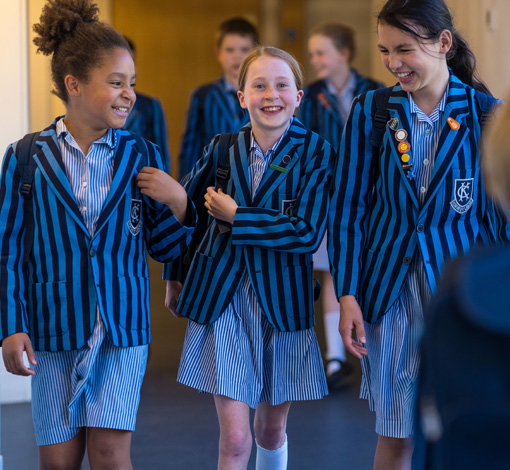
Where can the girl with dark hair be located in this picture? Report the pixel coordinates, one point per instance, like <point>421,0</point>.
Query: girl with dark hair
<point>75,296</point>
<point>409,196</point>
<point>324,109</point>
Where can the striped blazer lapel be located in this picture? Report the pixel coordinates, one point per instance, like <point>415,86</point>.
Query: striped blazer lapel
<point>450,141</point>
<point>126,159</point>
<point>49,161</point>
<point>398,108</point>
<point>285,157</point>
<point>239,167</point>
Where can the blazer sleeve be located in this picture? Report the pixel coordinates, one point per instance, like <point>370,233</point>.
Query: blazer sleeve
<point>196,183</point>
<point>353,182</point>
<point>302,230</point>
<point>165,237</point>
<point>191,145</point>
<point>13,273</point>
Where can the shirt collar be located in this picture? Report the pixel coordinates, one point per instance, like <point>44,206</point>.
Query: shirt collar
<point>434,116</point>
<point>109,138</point>
<point>348,89</point>
<point>254,146</point>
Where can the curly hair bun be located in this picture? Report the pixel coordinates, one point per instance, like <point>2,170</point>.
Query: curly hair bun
<point>59,18</point>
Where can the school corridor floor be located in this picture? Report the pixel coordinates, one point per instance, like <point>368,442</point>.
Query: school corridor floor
<point>177,430</point>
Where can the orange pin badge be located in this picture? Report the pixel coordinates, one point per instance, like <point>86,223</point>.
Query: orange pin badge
<point>454,125</point>
<point>406,157</point>
<point>404,147</point>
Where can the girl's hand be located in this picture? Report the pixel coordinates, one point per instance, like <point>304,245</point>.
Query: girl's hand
<point>351,318</point>
<point>220,205</point>
<point>12,351</point>
<point>163,188</point>
<point>173,291</point>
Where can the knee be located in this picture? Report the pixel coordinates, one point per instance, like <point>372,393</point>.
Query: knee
<point>107,457</point>
<point>235,442</point>
<point>270,435</point>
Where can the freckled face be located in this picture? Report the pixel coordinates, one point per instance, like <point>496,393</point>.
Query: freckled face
<point>108,96</point>
<point>270,94</point>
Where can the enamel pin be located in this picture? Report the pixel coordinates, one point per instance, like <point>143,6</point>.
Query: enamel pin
<point>454,125</point>
<point>393,124</point>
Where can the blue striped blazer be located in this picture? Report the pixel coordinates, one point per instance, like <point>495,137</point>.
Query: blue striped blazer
<point>54,295</point>
<point>377,224</point>
<point>147,119</point>
<point>213,110</point>
<point>319,111</point>
<point>273,236</point>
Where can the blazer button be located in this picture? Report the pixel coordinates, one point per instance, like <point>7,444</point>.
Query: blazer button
<point>420,228</point>
<point>407,260</point>
<point>92,253</point>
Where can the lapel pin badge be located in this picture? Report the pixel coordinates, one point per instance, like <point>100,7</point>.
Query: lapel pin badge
<point>286,159</point>
<point>454,125</point>
<point>393,124</point>
<point>405,158</point>
<point>278,168</point>
<point>404,147</point>
<point>400,135</point>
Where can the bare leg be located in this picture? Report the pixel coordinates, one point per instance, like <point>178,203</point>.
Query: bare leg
<point>235,434</point>
<point>64,456</point>
<point>109,449</point>
<point>270,424</point>
<point>393,454</point>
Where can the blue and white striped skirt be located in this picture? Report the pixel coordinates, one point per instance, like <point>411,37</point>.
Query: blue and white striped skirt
<point>95,386</point>
<point>241,356</point>
<point>390,370</point>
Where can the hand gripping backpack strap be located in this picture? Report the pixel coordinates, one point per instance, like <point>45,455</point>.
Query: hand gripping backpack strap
<point>223,171</point>
<point>26,166</point>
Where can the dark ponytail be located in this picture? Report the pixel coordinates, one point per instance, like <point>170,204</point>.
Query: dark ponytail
<point>70,31</point>
<point>432,17</point>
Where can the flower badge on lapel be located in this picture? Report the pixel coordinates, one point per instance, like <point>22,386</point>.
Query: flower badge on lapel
<point>135,221</point>
<point>323,100</point>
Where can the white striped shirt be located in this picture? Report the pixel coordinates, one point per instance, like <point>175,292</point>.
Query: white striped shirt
<point>344,98</point>
<point>90,175</point>
<point>258,161</point>
<point>425,132</point>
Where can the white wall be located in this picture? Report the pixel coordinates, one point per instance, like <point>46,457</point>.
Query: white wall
<point>14,118</point>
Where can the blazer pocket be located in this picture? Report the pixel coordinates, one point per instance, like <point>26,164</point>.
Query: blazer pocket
<point>51,321</point>
<point>460,193</point>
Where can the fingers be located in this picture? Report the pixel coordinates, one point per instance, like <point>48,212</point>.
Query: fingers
<point>12,350</point>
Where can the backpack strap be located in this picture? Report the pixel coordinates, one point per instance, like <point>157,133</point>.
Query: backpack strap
<point>487,105</point>
<point>223,170</point>
<point>381,116</point>
<point>26,166</point>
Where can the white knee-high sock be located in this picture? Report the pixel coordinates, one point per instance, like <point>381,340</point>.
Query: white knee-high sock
<point>334,345</point>
<point>272,459</point>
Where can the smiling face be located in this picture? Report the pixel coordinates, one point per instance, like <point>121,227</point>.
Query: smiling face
<point>420,67</point>
<point>327,61</point>
<point>270,95</point>
<point>232,51</point>
<point>107,97</point>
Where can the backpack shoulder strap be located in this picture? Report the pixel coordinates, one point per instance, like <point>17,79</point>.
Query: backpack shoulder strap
<point>487,106</point>
<point>223,170</point>
<point>381,115</point>
<point>26,167</point>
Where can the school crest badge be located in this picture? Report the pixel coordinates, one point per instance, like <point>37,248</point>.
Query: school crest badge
<point>135,220</point>
<point>463,192</point>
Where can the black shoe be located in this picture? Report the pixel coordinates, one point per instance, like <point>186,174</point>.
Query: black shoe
<point>339,378</point>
